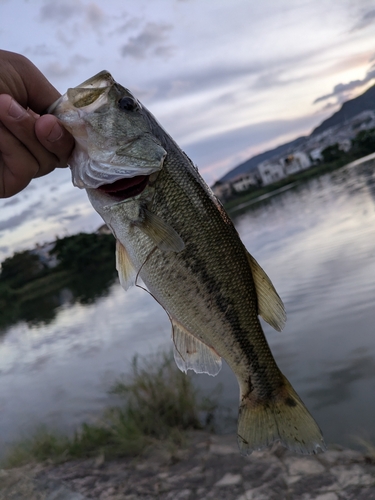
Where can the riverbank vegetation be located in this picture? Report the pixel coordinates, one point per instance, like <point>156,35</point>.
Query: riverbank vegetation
<point>33,283</point>
<point>332,158</point>
<point>158,404</point>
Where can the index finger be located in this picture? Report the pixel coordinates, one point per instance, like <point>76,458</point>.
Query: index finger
<point>25,83</point>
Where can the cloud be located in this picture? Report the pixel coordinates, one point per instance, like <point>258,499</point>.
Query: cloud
<point>128,25</point>
<point>343,88</point>
<point>150,41</point>
<point>19,219</point>
<point>95,15</point>
<point>329,105</point>
<point>187,81</point>
<point>79,15</point>
<point>255,74</point>
<point>39,50</point>
<point>60,12</point>
<point>11,201</point>
<point>257,137</point>
<point>367,19</point>
<point>55,69</point>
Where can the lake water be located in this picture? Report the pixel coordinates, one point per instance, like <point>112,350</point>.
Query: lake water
<point>315,240</point>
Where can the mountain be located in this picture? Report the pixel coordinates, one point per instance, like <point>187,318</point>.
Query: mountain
<point>252,163</point>
<point>347,111</point>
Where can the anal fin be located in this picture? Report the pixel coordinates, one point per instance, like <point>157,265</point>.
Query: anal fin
<point>191,353</point>
<point>270,305</point>
<point>126,271</point>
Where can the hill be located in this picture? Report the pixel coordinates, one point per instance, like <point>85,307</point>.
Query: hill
<point>248,165</point>
<point>347,111</point>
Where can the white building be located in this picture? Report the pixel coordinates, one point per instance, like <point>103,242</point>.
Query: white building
<point>222,190</point>
<point>270,171</point>
<point>296,162</point>
<point>316,154</point>
<point>245,181</point>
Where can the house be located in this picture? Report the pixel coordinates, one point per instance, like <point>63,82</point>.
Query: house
<point>271,171</point>
<point>316,154</point>
<point>345,145</point>
<point>296,162</point>
<point>222,190</point>
<point>244,181</point>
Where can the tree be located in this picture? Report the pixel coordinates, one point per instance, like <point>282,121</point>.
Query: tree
<point>85,253</point>
<point>332,153</point>
<point>21,268</point>
<point>364,142</point>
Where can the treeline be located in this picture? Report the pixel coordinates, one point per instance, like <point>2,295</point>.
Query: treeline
<point>77,268</point>
<point>362,145</point>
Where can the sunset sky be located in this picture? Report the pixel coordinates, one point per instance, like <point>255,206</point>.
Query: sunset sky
<point>227,79</point>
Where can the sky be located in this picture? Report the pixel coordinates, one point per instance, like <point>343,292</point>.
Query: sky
<point>228,79</point>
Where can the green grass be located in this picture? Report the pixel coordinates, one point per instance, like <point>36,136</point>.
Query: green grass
<point>159,404</point>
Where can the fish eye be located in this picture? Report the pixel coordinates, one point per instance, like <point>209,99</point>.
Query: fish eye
<point>127,104</point>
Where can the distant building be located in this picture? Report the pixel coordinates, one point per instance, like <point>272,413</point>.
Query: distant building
<point>296,162</point>
<point>244,181</point>
<point>222,190</point>
<point>345,145</point>
<point>270,171</point>
<point>316,154</point>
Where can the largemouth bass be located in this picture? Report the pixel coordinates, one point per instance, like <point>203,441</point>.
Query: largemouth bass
<point>175,235</point>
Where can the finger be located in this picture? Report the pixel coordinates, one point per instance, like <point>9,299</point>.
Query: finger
<point>32,113</point>
<point>55,138</point>
<point>25,82</point>
<point>21,124</point>
<point>17,165</point>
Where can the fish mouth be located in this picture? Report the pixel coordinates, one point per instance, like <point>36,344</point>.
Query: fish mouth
<point>125,188</point>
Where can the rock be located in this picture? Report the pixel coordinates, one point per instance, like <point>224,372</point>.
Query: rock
<point>223,450</point>
<point>229,480</point>
<point>351,476</point>
<point>305,465</point>
<point>327,496</point>
<point>209,469</point>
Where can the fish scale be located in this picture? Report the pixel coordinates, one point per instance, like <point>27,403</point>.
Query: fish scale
<point>176,236</point>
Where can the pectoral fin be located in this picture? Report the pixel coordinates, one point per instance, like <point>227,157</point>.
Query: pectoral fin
<point>161,233</point>
<point>270,305</point>
<point>126,271</point>
<point>192,354</point>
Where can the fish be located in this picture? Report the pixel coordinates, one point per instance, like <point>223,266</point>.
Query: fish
<point>174,234</point>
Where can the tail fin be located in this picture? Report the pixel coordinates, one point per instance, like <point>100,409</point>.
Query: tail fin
<point>284,418</point>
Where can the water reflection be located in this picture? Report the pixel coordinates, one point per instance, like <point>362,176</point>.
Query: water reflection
<point>316,241</point>
<point>337,385</point>
<point>43,308</point>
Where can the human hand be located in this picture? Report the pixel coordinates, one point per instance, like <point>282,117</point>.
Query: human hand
<point>30,145</point>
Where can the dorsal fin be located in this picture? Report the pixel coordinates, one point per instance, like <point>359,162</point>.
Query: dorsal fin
<point>126,271</point>
<point>270,305</point>
<point>191,353</point>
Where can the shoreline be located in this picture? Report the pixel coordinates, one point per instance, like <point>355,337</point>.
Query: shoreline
<point>209,467</point>
<point>249,198</point>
